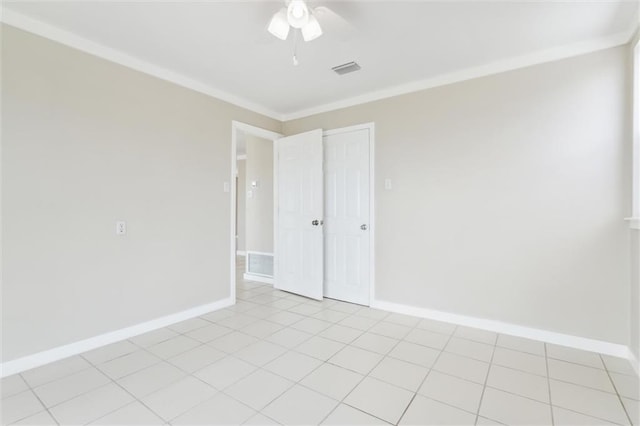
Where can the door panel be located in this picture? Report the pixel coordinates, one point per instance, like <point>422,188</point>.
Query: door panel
<point>346,177</point>
<point>299,257</point>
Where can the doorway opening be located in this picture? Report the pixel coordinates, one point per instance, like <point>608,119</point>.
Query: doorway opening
<point>252,195</point>
<point>303,211</point>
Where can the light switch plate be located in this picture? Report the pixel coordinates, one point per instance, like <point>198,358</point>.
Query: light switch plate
<point>387,184</point>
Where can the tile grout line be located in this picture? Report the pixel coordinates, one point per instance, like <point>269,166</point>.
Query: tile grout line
<point>486,378</point>
<point>39,400</point>
<point>56,379</point>
<point>592,417</point>
<point>259,411</point>
<point>387,355</point>
<point>624,408</point>
<point>516,394</point>
<point>341,401</point>
<point>115,382</point>
<point>309,373</point>
<point>517,369</point>
<point>374,367</point>
<point>429,372</point>
<point>160,360</point>
<point>90,366</point>
<point>187,374</point>
<point>546,363</point>
<point>455,328</point>
<point>258,367</point>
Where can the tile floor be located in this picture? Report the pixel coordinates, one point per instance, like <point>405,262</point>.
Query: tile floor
<point>277,358</point>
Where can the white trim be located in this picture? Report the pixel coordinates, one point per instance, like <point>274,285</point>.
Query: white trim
<point>264,253</point>
<point>233,241</point>
<point>241,253</point>
<point>255,131</point>
<point>237,126</point>
<point>577,342</point>
<point>508,64</point>
<point>372,212</point>
<point>41,358</point>
<point>76,41</point>
<point>258,278</point>
<point>276,205</point>
<point>364,126</point>
<point>634,222</point>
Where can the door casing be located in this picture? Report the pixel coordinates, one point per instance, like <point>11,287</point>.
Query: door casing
<point>267,134</point>
<point>237,126</point>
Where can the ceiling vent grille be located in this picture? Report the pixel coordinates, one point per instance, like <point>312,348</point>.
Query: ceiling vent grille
<point>346,68</point>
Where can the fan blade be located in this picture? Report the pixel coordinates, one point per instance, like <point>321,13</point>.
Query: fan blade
<point>260,35</point>
<point>333,24</point>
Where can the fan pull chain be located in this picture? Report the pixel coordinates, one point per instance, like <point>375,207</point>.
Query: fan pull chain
<point>295,48</point>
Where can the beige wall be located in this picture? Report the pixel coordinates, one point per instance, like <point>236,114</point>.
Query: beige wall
<point>259,222</point>
<point>509,194</point>
<point>85,143</point>
<point>241,211</point>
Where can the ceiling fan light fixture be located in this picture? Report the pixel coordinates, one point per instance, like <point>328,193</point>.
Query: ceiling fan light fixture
<point>279,25</point>
<point>312,30</point>
<point>297,13</point>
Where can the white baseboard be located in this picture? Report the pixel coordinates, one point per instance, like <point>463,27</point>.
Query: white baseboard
<point>241,253</point>
<point>250,277</point>
<point>41,358</point>
<point>577,342</point>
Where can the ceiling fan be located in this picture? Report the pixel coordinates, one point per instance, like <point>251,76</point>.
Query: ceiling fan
<point>295,15</point>
<point>305,20</point>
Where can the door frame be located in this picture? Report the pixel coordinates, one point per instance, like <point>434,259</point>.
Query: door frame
<point>238,126</point>
<point>372,192</point>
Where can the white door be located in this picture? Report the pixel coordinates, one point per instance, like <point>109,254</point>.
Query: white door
<point>346,216</point>
<point>299,256</point>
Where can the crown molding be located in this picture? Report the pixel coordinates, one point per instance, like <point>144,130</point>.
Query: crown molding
<point>75,41</point>
<point>509,64</point>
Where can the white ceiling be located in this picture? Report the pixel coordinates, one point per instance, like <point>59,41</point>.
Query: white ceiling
<point>224,45</point>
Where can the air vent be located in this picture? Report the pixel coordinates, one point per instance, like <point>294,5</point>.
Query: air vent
<point>260,264</point>
<point>346,68</point>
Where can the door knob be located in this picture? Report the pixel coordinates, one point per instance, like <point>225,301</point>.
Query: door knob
<point>315,222</point>
<point>363,227</point>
